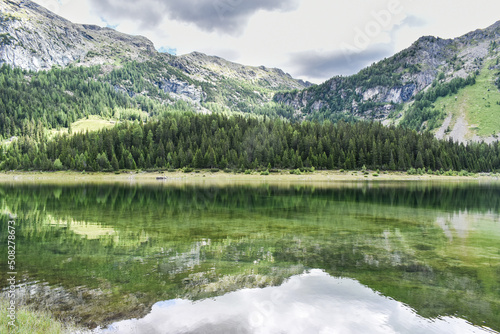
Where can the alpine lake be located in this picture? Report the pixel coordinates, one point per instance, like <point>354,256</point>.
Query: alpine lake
<point>173,257</point>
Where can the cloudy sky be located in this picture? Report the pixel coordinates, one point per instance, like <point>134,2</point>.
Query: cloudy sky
<point>310,39</point>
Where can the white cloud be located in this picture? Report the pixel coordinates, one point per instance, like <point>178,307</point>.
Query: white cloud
<point>77,11</point>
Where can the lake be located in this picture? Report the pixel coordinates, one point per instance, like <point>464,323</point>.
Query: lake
<point>407,257</point>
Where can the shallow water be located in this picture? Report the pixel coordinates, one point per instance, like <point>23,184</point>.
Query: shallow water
<point>403,258</point>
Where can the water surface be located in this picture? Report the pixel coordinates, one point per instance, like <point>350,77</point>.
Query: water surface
<point>406,257</point>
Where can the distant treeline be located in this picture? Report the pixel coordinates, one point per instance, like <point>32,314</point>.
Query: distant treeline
<point>31,102</point>
<point>215,141</point>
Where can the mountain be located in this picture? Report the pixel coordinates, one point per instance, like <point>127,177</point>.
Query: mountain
<point>33,38</point>
<point>432,68</point>
<point>447,86</point>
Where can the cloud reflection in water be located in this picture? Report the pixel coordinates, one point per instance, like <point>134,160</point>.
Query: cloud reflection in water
<point>310,303</point>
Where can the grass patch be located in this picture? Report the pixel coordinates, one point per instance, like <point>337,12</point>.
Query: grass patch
<point>93,123</point>
<point>478,103</point>
<point>29,321</point>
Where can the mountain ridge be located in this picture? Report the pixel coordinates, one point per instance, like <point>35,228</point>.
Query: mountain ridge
<point>379,90</point>
<point>88,32</point>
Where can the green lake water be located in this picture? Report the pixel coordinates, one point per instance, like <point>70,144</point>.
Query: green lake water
<point>348,258</point>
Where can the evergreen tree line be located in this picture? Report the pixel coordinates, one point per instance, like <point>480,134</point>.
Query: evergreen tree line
<point>123,199</point>
<point>216,141</point>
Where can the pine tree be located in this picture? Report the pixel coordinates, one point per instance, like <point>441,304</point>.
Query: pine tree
<point>114,163</point>
<point>392,163</point>
<point>419,163</point>
<point>198,160</point>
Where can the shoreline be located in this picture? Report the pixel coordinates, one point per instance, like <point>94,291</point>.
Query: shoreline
<point>207,177</point>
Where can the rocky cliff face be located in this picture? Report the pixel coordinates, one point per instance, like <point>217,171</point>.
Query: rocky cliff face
<point>182,90</point>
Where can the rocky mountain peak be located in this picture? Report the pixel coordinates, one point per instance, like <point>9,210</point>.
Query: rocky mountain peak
<point>33,38</point>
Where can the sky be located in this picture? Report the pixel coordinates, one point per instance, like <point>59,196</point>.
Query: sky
<point>310,39</point>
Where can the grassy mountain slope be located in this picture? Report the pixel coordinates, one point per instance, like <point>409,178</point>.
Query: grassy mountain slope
<point>474,112</point>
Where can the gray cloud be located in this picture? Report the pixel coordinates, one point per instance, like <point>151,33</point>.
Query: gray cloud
<point>226,16</point>
<point>322,66</point>
<point>149,13</point>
